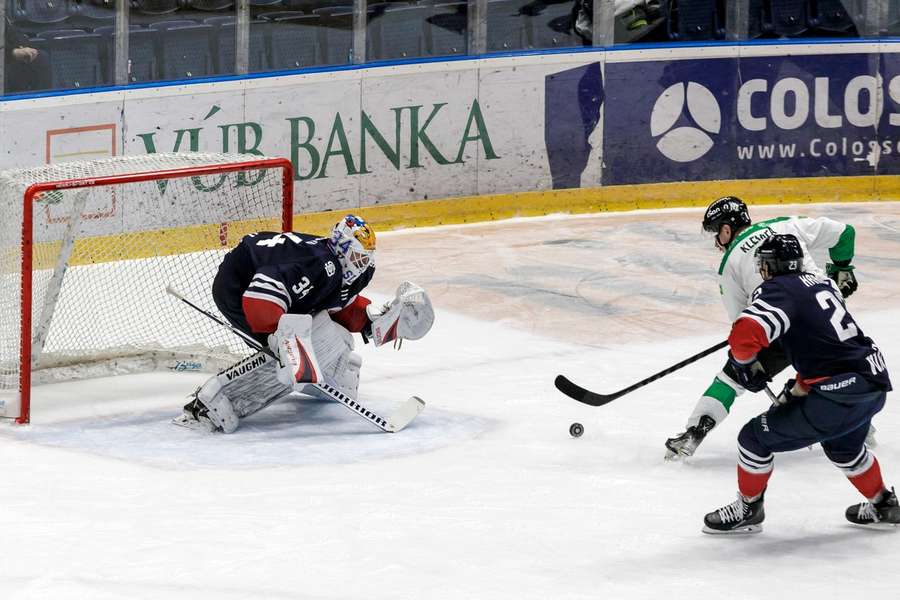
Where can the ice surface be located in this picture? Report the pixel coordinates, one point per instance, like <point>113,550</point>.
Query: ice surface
<point>485,495</point>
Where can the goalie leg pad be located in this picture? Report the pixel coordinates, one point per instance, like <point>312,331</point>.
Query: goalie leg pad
<point>293,344</point>
<point>333,346</point>
<point>242,389</point>
<point>218,407</point>
<point>253,384</point>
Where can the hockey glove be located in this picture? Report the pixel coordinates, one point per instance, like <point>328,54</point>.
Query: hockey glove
<point>408,316</point>
<point>752,376</point>
<point>790,392</point>
<point>842,274</point>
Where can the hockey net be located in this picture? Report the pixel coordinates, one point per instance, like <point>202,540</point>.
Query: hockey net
<point>88,248</point>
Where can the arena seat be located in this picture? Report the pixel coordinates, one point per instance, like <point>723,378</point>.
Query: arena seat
<point>445,33</point>
<point>399,32</point>
<point>507,27</point>
<point>185,50</point>
<point>41,11</point>
<point>790,18</point>
<point>75,59</point>
<point>551,25</point>
<point>831,16</point>
<point>224,43</point>
<point>210,5</point>
<point>694,20</point>
<point>337,32</point>
<point>295,41</point>
<point>155,7</point>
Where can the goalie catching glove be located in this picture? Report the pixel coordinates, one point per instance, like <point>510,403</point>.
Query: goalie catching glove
<point>408,316</point>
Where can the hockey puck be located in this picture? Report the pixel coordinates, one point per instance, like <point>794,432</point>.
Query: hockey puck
<point>576,429</point>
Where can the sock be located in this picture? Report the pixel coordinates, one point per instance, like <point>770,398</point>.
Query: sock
<point>752,485</point>
<point>869,482</point>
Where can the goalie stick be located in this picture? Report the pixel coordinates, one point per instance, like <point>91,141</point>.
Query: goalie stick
<point>401,417</point>
<point>577,392</point>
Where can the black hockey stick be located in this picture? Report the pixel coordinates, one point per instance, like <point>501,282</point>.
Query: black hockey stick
<point>402,417</point>
<point>588,397</point>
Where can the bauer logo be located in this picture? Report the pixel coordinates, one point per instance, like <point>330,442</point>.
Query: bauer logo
<point>686,142</point>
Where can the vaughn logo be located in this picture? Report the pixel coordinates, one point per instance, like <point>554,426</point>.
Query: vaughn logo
<point>685,143</point>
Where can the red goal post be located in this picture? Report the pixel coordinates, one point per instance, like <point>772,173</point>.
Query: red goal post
<point>98,241</point>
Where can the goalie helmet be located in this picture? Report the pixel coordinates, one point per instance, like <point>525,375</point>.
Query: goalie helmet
<point>729,210</point>
<point>780,254</point>
<point>353,241</point>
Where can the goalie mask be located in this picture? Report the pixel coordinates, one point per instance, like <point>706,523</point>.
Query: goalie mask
<point>353,241</point>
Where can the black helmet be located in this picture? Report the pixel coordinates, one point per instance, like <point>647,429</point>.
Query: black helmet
<point>726,211</point>
<point>780,254</point>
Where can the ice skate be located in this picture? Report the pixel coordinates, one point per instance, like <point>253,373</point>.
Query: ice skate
<point>195,416</point>
<point>685,444</point>
<point>736,518</point>
<point>883,514</point>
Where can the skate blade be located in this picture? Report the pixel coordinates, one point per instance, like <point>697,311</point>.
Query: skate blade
<point>746,530</point>
<point>882,526</point>
<point>192,424</point>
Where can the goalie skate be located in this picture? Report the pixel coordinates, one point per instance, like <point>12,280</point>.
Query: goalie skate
<point>194,417</point>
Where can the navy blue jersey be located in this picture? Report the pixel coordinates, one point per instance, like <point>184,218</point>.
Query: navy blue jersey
<point>268,274</point>
<point>807,314</point>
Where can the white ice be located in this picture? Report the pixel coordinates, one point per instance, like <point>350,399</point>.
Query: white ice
<point>485,496</point>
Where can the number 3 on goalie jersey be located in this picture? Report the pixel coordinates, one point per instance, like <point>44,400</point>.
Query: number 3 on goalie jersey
<point>303,287</point>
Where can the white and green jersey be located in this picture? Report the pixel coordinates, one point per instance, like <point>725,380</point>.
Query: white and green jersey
<point>738,275</point>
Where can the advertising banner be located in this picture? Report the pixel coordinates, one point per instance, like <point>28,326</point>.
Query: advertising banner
<point>434,130</point>
<point>752,117</point>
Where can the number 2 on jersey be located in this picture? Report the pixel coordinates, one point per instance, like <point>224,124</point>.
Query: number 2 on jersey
<point>829,300</point>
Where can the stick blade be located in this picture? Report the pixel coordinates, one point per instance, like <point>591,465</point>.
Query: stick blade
<point>576,392</point>
<point>405,414</point>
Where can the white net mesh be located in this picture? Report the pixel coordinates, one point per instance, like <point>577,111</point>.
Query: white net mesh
<point>103,255</point>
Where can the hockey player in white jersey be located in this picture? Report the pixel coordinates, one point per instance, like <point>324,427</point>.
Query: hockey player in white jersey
<point>300,295</point>
<point>727,220</point>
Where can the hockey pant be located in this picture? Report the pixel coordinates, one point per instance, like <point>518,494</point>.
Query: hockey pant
<point>836,413</point>
<point>721,394</point>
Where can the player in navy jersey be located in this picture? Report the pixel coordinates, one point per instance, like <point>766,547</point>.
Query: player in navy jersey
<point>300,295</point>
<point>841,382</point>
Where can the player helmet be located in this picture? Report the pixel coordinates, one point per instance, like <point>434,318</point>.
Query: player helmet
<point>780,254</point>
<point>353,241</point>
<point>729,210</point>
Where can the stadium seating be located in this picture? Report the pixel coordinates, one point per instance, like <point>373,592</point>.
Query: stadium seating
<point>445,32</point>
<point>210,5</point>
<point>155,7</point>
<point>41,11</point>
<point>790,18</point>
<point>398,32</point>
<point>893,19</point>
<point>185,49</point>
<point>507,28</point>
<point>694,20</point>
<point>337,30</point>
<point>831,16</point>
<point>295,41</point>
<point>75,59</point>
<point>758,24</point>
<point>93,10</point>
<point>551,25</point>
